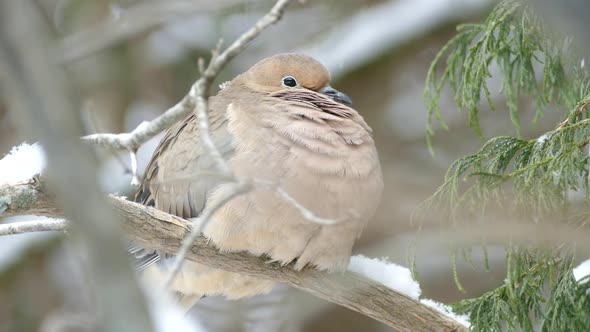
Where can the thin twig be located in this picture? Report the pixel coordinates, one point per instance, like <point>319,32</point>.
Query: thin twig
<point>573,116</point>
<point>134,177</point>
<point>199,224</point>
<point>197,97</point>
<point>93,124</point>
<point>306,213</point>
<point>30,226</point>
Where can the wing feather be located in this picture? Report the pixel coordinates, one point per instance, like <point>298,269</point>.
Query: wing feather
<point>180,174</point>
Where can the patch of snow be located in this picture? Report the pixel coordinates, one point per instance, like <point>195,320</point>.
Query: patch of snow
<point>116,11</point>
<point>22,163</point>
<point>582,271</point>
<point>394,276</point>
<point>400,279</point>
<point>447,311</point>
<point>542,139</point>
<point>223,85</point>
<point>166,315</point>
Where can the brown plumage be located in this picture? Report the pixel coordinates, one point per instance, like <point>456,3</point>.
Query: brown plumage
<point>304,139</point>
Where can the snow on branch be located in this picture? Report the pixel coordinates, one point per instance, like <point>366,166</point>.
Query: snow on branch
<point>399,279</point>
<point>161,231</point>
<point>22,163</point>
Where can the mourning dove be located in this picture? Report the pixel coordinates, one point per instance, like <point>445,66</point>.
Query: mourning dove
<point>280,122</point>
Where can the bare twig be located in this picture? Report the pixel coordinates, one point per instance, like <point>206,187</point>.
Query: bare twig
<point>238,189</point>
<point>134,178</point>
<point>572,117</point>
<point>156,229</point>
<point>196,98</point>
<point>93,126</point>
<point>41,225</point>
<point>305,212</point>
<point>199,96</point>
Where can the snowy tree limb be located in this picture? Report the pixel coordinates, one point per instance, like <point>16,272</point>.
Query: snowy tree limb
<point>153,228</point>
<point>165,232</point>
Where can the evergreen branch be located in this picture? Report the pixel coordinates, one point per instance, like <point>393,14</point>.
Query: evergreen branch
<point>515,39</point>
<point>540,294</point>
<point>541,171</point>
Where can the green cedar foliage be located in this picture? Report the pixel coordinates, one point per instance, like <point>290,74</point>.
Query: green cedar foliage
<point>540,292</point>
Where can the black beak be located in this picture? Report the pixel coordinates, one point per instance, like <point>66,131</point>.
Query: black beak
<point>336,95</point>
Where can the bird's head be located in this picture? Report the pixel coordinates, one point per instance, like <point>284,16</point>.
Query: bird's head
<point>291,72</point>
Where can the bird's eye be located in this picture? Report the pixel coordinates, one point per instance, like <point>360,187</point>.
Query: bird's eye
<point>289,81</point>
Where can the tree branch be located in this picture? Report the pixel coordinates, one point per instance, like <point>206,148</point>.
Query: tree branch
<point>155,229</point>
<point>27,198</point>
<point>42,225</point>
<point>197,100</point>
<point>197,97</point>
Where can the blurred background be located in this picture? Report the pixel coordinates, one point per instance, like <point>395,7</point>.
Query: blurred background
<point>131,60</point>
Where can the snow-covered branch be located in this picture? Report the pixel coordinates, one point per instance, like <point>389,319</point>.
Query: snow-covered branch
<point>156,229</point>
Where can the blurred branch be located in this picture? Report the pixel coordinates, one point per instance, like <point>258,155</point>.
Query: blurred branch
<point>41,225</point>
<point>370,33</point>
<point>30,196</point>
<point>45,109</point>
<point>131,22</point>
<point>153,228</point>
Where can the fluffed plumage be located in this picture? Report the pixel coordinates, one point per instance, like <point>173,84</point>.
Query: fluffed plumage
<point>303,138</point>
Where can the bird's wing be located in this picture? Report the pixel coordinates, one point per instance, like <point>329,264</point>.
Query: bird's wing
<point>181,173</point>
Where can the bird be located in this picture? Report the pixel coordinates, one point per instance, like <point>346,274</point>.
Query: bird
<point>279,122</point>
